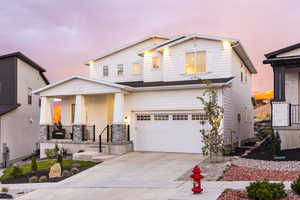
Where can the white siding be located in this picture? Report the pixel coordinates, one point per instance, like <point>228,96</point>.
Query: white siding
<point>229,117</point>
<point>20,128</point>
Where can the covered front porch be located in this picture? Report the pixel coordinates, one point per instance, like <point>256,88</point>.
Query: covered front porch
<point>92,115</point>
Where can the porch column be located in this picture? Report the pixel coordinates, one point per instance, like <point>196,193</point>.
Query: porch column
<point>279,83</point>
<point>118,126</point>
<point>45,118</point>
<point>79,118</point>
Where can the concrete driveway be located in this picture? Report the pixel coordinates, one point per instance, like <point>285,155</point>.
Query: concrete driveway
<point>136,175</point>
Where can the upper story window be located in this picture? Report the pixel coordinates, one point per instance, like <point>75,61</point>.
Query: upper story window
<point>105,70</point>
<point>136,68</point>
<point>29,96</point>
<point>242,77</point>
<point>195,62</point>
<point>155,62</point>
<point>120,70</point>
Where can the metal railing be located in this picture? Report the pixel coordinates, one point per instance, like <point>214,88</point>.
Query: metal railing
<point>295,114</point>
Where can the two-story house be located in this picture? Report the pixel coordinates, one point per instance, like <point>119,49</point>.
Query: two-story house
<point>19,109</point>
<point>152,85</point>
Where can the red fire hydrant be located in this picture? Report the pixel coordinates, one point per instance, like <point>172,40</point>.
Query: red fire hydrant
<point>196,176</point>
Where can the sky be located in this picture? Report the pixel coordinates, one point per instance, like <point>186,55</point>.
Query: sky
<point>61,35</point>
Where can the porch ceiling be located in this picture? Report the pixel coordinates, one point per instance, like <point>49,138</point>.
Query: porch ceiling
<point>80,85</point>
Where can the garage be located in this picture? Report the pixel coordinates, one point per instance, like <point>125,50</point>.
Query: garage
<point>168,131</point>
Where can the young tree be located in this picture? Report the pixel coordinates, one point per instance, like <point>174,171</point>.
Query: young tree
<point>213,139</point>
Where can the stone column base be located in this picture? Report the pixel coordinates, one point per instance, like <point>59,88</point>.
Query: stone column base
<point>119,149</point>
<point>118,133</point>
<point>43,136</point>
<point>77,133</point>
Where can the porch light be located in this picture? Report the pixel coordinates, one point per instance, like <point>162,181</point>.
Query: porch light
<point>126,120</point>
<point>226,44</point>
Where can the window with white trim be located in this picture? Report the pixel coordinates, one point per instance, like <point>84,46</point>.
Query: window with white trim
<point>200,116</point>
<point>105,71</point>
<point>136,68</point>
<point>161,117</point>
<point>195,62</point>
<point>180,117</point>
<point>155,62</point>
<point>120,70</point>
<point>143,117</point>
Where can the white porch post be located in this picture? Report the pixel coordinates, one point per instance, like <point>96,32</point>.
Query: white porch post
<point>45,118</point>
<point>118,115</point>
<point>79,118</point>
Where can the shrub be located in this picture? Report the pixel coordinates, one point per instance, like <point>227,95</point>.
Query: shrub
<point>43,179</point>
<point>66,173</point>
<point>60,160</point>
<point>296,186</point>
<point>34,166</point>
<point>74,170</point>
<point>50,153</point>
<point>275,143</point>
<point>56,148</point>
<point>33,179</point>
<point>15,172</point>
<point>264,190</point>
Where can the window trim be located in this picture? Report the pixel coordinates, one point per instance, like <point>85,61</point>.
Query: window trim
<point>194,52</point>
<point>120,68</point>
<point>105,68</point>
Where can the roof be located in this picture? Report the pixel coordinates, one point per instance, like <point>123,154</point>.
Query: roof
<point>82,78</point>
<point>7,108</point>
<point>137,84</point>
<point>283,50</point>
<point>28,61</point>
<point>289,60</point>
<point>128,46</point>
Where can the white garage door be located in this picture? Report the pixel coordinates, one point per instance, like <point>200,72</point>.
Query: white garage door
<point>168,132</point>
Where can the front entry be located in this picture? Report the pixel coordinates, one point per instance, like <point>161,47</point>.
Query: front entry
<point>168,131</point>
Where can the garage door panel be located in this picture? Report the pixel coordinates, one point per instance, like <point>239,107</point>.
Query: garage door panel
<point>168,135</point>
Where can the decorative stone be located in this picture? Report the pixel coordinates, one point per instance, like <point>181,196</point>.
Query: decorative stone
<point>77,133</point>
<point>118,132</point>
<point>43,132</point>
<point>55,171</point>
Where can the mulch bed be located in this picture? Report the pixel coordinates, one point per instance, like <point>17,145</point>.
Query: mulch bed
<point>24,178</point>
<point>230,194</point>
<point>236,173</point>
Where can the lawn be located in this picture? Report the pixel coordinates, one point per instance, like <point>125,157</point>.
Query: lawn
<point>46,165</point>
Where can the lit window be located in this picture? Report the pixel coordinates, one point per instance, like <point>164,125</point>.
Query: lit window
<point>29,96</point>
<point>161,117</point>
<point>143,117</point>
<point>195,62</point>
<point>136,68</point>
<point>105,70</point>
<point>199,117</point>
<point>180,117</point>
<point>120,70</point>
<point>155,62</point>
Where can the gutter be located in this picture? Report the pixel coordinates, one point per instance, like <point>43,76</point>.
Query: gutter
<point>239,49</point>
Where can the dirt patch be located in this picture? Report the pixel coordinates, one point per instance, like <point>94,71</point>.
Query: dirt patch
<point>236,173</point>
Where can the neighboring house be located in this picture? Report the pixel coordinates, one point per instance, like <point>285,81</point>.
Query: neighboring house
<point>285,105</point>
<point>152,85</point>
<point>19,109</point>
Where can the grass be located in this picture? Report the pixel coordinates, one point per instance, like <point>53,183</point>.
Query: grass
<point>45,165</point>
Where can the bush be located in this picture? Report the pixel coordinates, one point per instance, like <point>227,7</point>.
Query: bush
<point>43,179</point>
<point>66,173</point>
<point>275,143</point>
<point>74,170</point>
<point>60,160</point>
<point>50,153</point>
<point>15,172</point>
<point>34,166</point>
<point>33,179</point>
<point>264,190</point>
<point>296,186</point>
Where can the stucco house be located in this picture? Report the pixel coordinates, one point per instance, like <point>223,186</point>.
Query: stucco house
<point>19,109</point>
<point>285,105</point>
<point>142,96</point>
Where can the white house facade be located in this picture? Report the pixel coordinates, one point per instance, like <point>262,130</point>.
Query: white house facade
<point>285,105</point>
<point>143,96</point>
<point>19,109</point>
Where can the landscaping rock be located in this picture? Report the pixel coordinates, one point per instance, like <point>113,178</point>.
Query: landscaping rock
<point>55,171</point>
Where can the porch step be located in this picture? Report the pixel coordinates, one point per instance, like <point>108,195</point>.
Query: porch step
<point>92,156</point>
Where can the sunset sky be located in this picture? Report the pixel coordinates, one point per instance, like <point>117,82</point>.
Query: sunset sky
<point>61,35</point>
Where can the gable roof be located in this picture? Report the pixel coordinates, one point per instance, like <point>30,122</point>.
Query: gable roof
<point>30,62</point>
<point>283,50</point>
<point>127,46</point>
<point>81,78</point>
<point>235,44</point>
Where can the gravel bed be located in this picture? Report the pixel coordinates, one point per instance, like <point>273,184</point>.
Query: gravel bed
<point>236,173</point>
<point>230,194</point>
<point>267,165</point>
